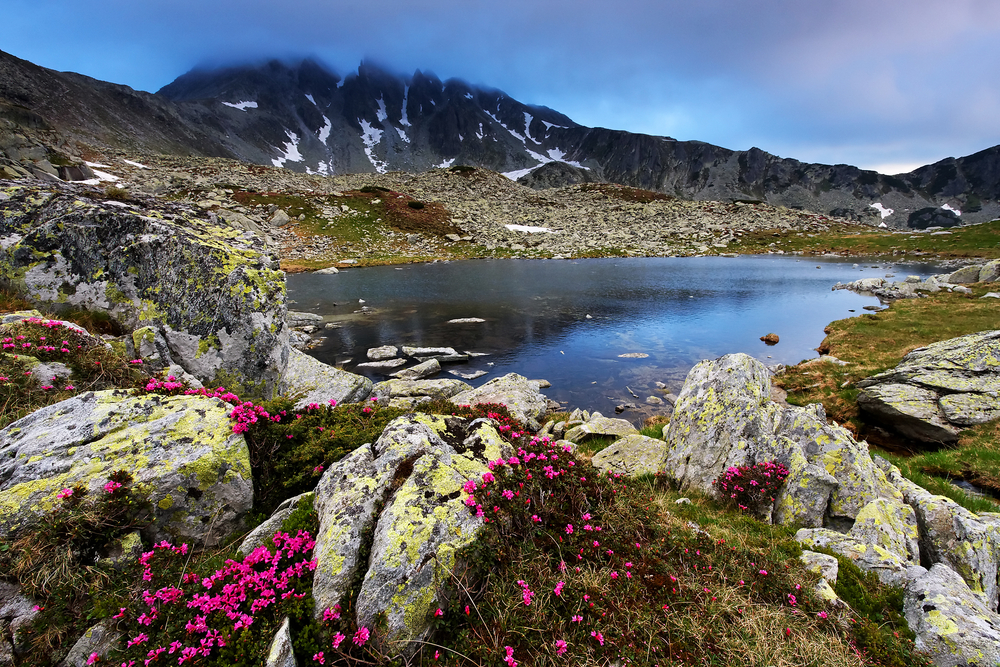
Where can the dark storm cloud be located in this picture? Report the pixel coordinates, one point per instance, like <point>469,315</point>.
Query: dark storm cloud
<point>835,81</point>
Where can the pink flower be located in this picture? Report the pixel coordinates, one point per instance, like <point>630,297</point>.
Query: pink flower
<point>65,493</point>
<point>439,612</point>
<point>112,486</point>
<point>598,636</point>
<point>560,646</point>
<point>559,588</point>
<point>93,658</point>
<point>511,662</point>
<point>337,639</point>
<point>576,618</point>
<point>318,657</point>
<point>331,614</point>
<point>361,636</point>
<point>569,529</point>
<point>822,614</point>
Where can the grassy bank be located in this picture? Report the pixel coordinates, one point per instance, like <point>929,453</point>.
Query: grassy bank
<point>876,342</point>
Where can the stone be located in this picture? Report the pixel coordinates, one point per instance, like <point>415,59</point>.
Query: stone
<point>654,400</point>
<point>279,219</point>
<point>466,320</point>
<point>388,363</point>
<point>420,371</point>
<point>883,540</point>
<point>313,381</point>
<point>418,477</point>
<point>383,353</point>
<point>211,291</point>
<point>300,319</point>
<point>601,426</point>
<point>328,271</point>
<point>633,455</point>
<point>468,376</point>
<point>990,273</point>
<point>16,612</point>
<point>967,274</point>
<point>938,390</point>
<point>281,653</point>
<point>519,394</point>
<point>770,339</point>
<point>429,351</point>
<point>97,639</point>
<point>951,624</point>
<point>181,447</point>
<point>828,568</point>
<point>435,389</point>
<point>262,534</point>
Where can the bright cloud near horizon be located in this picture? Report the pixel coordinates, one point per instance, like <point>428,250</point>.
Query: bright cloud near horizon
<point>887,85</point>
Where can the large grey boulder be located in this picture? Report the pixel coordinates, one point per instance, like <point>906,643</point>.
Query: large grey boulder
<point>883,540</point>
<point>181,447</point>
<point>213,297</point>
<point>17,612</point>
<point>312,381</point>
<point>281,653</point>
<point>420,371</point>
<point>403,493</point>
<point>98,639</point>
<point>633,455</point>
<point>952,624</point>
<point>520,395</point>
<point>601,426</point>
<point>724,417</point>
<point>938,390</point>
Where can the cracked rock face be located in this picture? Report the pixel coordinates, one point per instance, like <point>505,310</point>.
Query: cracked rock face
<point>394,512</point>
<point>938,390</point>
<point>213,300</point>
<point>182,447</point>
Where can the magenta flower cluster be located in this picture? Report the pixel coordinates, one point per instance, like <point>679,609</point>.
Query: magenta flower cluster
<point>218,606</point>
<point>752,488</point>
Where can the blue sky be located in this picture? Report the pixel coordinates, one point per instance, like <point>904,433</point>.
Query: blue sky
<point>881,84</point>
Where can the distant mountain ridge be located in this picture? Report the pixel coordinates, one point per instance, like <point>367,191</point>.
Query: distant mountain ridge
<point>307,118</point>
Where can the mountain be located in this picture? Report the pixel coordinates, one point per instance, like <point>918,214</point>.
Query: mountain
<point>305,117</point>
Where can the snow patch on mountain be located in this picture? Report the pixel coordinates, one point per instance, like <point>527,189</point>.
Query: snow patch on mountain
<point>402,135</point>
<point>291,151</point>
<point>480,132</point>
<point>549,126</point>
<point>468,96</point>
<point>558,155</point>
<point>323,168</point>
<point>371,137</point>
<point>382,114</point>
<point>324,132</point>
<point>883,211</point>
<point>948,207</point>
<point>142,166</point>
<point>518,173</point>
<point>527,127</point>
<point>310,98</point>
<point>242,106</point>
<point>445,164</point>
<point>529,229</point>
<point>404,121</point>
<point>101,175</point>
<point>517,135</point>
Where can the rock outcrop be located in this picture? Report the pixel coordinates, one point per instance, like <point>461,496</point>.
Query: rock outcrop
<point>519,394</point>
<point>724,417</point>
<point>913,286</point>
<point>400,502</point>
<point>204,296</point>
<point>938,390</point>
<point>182,448</point>
<point>312,381</point>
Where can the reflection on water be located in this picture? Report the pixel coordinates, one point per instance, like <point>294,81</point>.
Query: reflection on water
<point>568,321</point>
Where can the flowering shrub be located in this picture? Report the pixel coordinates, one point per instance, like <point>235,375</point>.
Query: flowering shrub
<point>93,366</point>
<point>752,488</point>
<point>182,617</point>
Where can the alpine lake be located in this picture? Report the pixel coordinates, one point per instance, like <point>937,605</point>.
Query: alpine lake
<point>603,332</point>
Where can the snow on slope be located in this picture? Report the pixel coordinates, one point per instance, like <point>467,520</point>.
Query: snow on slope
<point>242,106</point>
<point>291,149</point>
<point>382,114</point>
<point>371,137</point>
<point>324,132</point>
<point>404,121</point>
<point>883,211</point>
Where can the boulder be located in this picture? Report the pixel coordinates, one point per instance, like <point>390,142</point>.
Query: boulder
<point>434,389</point>
<point>602,426</point>
<point>211,292</point>
<point>965,275</point>
<point>724,418</point>
<point>519,394</point>
<point>98,639</point>
<point>281,653</point>
<point>828,568</point>
<point>402,498</point>
<point>883,540</point>
<point>312,381</point>
<point>16,612</point>
<point>938,390</point>
<point>952,624</point>
<point>383,353</point>
<point>633,455</point>
<point>990,272</point>
<point>299,319</point>
<point>420,371</point>
<point>181,447</point>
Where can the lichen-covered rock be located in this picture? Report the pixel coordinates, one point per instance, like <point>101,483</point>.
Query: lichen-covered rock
<point>97,639</point>
<point>433,389</point>
<point>312,381</point>
<point>212,292</point>
<point>420,371</point>
<point>281,653</point>
<point>633,455</point>
<point>401,499</point>
<point>601,426</point>
<point>181,447</point>
<point>883,540</point>
<point>262,534</point>
<point>521,396</point>
<point>952,624</point>
<point>724,417</point>
<point>17,612</point>
<point>828,568</point>
<point>834,449</point>
<point>937,390</point>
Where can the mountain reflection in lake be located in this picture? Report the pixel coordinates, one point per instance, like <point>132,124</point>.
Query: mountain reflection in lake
<point>676,310</point>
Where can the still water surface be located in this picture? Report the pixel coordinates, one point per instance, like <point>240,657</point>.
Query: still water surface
<point>676,310</point>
